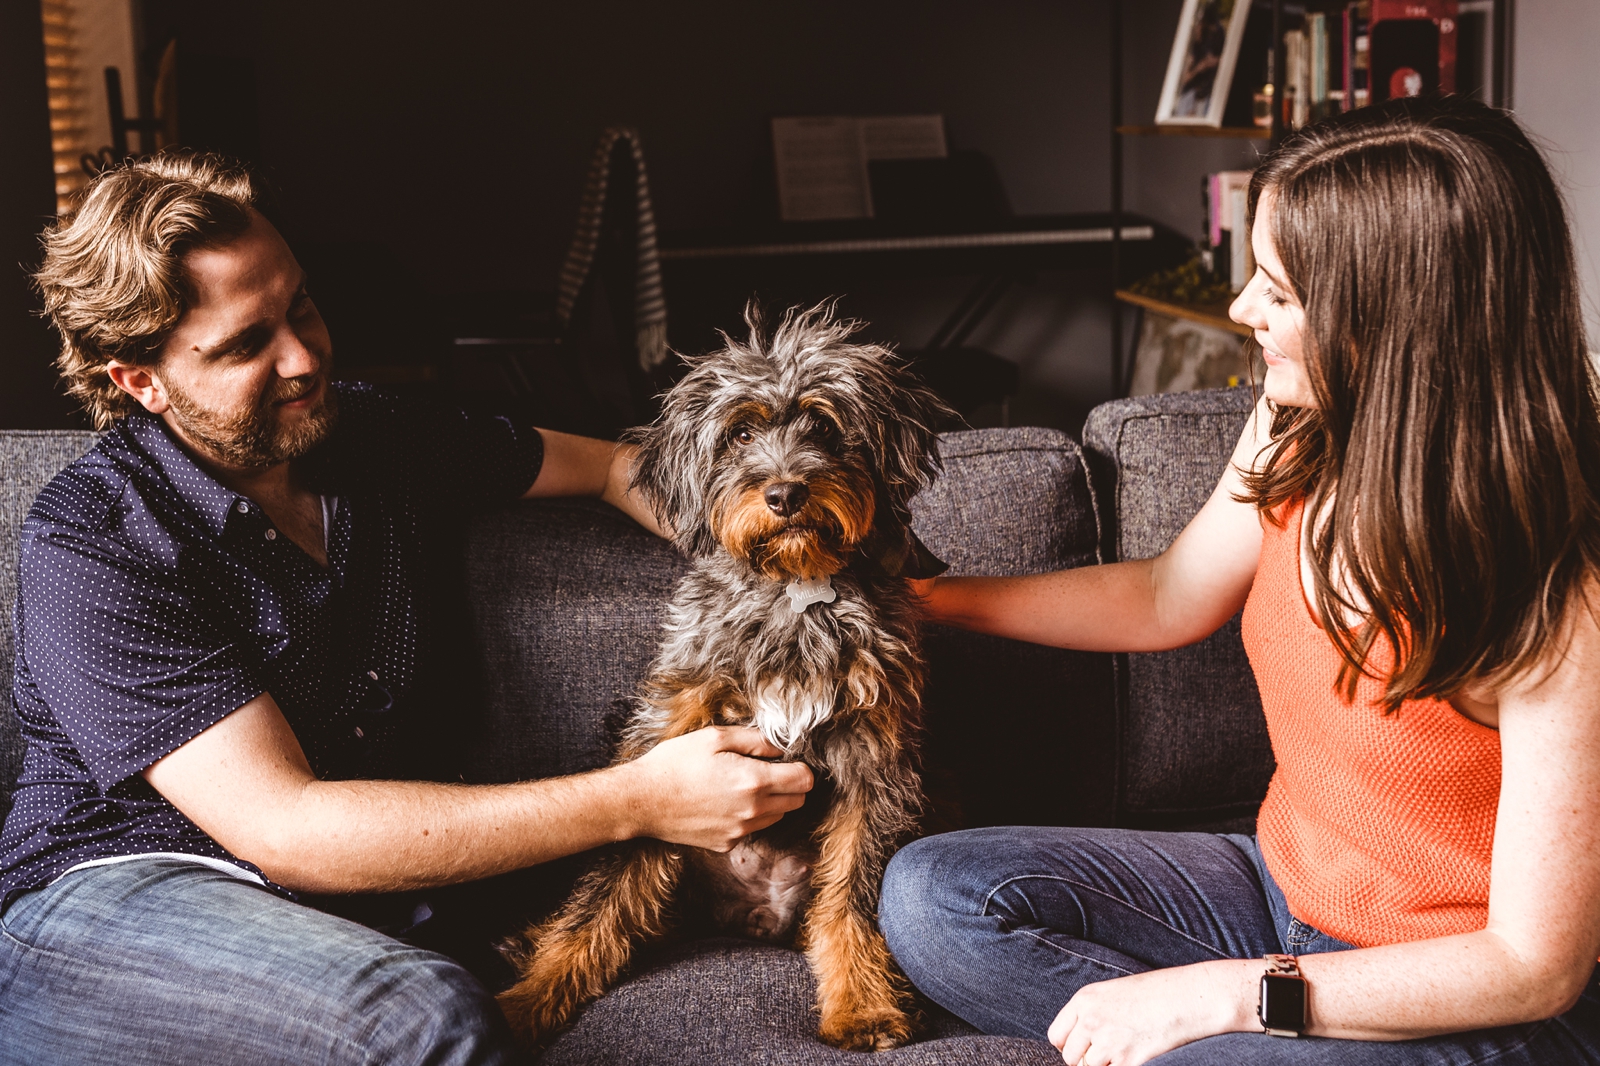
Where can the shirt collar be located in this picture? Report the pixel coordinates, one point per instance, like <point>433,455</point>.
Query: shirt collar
<point>209,498</point>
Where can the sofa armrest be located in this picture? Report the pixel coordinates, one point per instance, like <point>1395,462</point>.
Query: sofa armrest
<point>28,459</point>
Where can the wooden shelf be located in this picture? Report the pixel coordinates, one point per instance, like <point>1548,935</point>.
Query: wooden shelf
<point>1254,133</point>
<point>1214,315</point>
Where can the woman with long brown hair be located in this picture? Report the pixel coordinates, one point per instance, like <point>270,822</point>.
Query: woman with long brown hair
<point>1411,524</point>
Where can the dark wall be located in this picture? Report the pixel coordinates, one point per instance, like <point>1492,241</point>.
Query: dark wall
<point>441,148</point>
<point>460,132</point>
<point>28,398</point>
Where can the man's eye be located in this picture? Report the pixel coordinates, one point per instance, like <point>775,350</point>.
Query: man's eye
<point>742,435</point>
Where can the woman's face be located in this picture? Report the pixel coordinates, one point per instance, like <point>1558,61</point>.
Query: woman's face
<point>1269,307</point>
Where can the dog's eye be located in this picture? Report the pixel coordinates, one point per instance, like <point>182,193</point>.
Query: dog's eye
<point>742,435</point>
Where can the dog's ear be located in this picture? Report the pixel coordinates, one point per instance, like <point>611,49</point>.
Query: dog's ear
<point>904,433</point>
<point>673,467</point>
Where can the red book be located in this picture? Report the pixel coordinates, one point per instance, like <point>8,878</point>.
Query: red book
<point>1398,48</point>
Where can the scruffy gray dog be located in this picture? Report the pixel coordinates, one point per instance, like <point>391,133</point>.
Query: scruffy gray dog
<point>784,466</point>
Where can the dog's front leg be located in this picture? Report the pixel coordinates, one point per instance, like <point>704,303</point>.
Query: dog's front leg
<point>579,953</point>
<point>861,993</point>
<point>625,899</point>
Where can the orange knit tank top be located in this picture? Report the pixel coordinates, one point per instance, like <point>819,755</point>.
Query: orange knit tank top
<point>1377,827</point>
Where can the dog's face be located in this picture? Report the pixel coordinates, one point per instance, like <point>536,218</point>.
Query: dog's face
<point>790,451</point>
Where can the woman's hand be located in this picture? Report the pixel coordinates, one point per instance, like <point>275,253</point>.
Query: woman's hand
<point>1131,1020</point>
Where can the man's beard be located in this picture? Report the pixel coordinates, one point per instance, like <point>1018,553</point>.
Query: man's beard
<point>252,438</point>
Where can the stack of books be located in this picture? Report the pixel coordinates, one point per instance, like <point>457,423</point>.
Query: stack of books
<point>1350,53</point>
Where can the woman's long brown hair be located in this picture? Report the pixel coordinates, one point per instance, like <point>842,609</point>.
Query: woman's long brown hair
<point>1455,443</point>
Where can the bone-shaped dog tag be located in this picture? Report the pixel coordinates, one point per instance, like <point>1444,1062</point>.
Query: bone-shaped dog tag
<point>803,594</point>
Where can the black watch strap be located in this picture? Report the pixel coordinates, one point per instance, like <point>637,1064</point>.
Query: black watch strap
<point>1282,1006</point>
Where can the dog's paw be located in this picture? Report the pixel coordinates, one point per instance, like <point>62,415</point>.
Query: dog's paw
<point>536,1010</point>
<point>877,1030</point>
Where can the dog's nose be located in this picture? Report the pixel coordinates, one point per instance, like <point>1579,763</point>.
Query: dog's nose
<point>787,497</point>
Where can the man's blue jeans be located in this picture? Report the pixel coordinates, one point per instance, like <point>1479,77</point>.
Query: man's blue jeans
<point>1002,926</point>
<point>160,962</point>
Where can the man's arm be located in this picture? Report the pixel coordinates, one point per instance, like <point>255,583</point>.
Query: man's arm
<point>582,466</point>
<point>246,782</point>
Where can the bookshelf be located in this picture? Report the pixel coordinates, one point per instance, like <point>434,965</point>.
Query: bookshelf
<point>1211,314</point>
<point>1257,133</point>
<point>1208,314</point>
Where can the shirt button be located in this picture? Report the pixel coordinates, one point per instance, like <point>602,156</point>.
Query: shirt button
<point>373,674</point>
<point>272,534</point>
<point>359,733</point>
<point>244,508</point>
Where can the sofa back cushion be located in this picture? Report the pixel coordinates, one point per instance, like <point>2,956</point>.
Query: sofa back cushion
<point>567,595</point>
<point>29,460</point>
<point>1193,741</point>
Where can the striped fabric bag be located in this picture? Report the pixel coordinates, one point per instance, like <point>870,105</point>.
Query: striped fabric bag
<point>649,306</point>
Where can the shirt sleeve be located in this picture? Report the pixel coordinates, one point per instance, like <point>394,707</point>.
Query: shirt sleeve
<point>469,459</point>
<point>120,652</point>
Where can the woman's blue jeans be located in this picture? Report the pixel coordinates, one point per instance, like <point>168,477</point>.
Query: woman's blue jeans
<point>160,962</point>
<point>1002,926</point>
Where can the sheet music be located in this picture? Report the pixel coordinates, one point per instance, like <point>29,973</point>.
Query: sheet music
<point>822,161</point>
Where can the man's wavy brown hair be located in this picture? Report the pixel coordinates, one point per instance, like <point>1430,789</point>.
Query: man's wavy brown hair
<point>112,278</point>
<point>1454,444</point>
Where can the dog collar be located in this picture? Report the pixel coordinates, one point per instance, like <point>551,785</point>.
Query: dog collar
<point>803,594</point>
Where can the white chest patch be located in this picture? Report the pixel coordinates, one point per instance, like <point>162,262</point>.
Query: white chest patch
<point>785,712</point>
<point>803,594</point>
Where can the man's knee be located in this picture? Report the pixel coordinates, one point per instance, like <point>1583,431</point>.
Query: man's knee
<point>423,1007</point>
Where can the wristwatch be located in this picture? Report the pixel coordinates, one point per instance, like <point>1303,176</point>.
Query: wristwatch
<point>1282,1007</point>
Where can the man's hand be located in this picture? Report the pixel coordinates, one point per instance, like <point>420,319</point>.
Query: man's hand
<point>704,788</point>
<point>1131,1020</point>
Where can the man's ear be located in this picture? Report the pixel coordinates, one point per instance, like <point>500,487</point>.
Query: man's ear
<point>139,382</point>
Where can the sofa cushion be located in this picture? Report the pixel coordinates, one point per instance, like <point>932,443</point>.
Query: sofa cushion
<point>1017,734</point>
<point>566,600</point>
<point>30,459</point>
<point>730,1002</point>
<point>1194,748</point>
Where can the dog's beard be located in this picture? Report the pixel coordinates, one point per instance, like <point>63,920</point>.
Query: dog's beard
<point>812,544</point>
<point>252,437</point>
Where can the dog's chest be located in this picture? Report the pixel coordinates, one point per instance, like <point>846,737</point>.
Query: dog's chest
<point>788,665</point>
<point>786,710</point>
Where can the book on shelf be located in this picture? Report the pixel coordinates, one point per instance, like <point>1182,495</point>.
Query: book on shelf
<point>1227,198</point>
<point>1344,54</point>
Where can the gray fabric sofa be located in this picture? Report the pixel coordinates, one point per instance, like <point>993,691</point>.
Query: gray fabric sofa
<point>565,599</point>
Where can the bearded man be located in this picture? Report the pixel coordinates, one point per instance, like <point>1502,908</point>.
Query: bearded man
<point>226,673</point>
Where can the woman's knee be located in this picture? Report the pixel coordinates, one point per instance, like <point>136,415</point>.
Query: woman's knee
<point>937,886</point>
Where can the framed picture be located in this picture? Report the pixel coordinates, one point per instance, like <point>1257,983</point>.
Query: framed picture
<point>1204,53</point>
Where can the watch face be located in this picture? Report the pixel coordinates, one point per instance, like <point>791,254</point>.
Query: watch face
<point>1283,1002</point>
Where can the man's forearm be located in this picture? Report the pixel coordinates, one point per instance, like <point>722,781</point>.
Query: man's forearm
<point>582,466</point>
<point>373,836</point>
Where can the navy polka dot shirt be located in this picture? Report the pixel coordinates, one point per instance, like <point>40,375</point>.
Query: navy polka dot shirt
<point>153,601</point>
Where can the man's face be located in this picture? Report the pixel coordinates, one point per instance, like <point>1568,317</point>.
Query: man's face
<point>244,377</point>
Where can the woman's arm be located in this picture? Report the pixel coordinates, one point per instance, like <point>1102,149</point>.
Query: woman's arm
<point>1182,595</point>
<point>1532,960</point>
<point>582,466</point>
